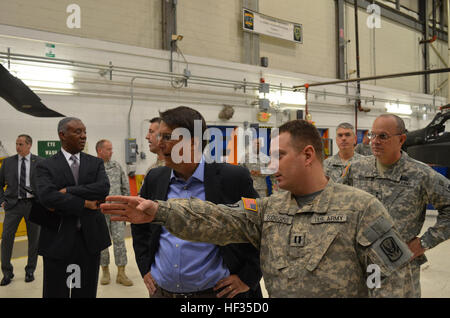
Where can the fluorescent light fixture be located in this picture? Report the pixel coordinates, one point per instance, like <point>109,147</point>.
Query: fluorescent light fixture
<point>44,76</point>
<point>285,97</point>
<point>403,109</point>
<point>47,84</point>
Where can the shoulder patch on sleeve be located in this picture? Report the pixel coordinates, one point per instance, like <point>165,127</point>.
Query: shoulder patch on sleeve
<point>250,204</point>
<point>391,251</point>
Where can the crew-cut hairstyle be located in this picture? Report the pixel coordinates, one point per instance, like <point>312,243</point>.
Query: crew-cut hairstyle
<point>28,139</point>
<point>303,134</point>
<point>346,126</point>
<point>62,125</point>
<point>99,144</point>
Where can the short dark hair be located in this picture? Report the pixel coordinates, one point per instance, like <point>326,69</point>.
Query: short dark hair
<point>155,120</point>
<point>303,134</point>
<point>184,117</point>
<point>401,128</point>
<point>100,143</point>
<point>346,126</point>
<point>28,138</point>
<point>62,125</point>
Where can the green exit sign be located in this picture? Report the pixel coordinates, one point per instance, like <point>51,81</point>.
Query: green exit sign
<point>48,148</point>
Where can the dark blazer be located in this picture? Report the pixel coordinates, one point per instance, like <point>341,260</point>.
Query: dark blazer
<point>9,176</point>
<point>55,174</point>
<point>224,184</point>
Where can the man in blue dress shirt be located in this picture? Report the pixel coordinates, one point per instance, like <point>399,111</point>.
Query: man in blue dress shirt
<point>174,268</point>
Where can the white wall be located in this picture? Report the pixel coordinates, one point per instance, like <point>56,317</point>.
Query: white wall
<point>103,105</point>
<point>104,118</point>
<point>213,29</point>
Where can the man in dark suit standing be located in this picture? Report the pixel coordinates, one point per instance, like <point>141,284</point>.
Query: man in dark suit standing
<point>18,173</point>
<point>70,184</point>
<point>171,267</point>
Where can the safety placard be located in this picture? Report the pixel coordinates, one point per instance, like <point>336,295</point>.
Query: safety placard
<point>48,148</point>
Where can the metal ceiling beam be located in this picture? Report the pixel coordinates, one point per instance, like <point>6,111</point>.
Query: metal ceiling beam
<point>341,43</point>
<point>423,14</point>
<point>371,78</point>
<point>251,40</point>
<point>399,17</point>
<point>169,22</point>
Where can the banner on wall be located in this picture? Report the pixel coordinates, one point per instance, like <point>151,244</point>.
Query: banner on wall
<point>263,24</point>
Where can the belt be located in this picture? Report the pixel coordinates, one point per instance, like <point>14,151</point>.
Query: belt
<point>206,292</point>
<point>25,199</point>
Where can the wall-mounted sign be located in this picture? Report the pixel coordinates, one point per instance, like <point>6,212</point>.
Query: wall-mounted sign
<point>49,50</point>
<point>48,148</point>
<point>263,24</point>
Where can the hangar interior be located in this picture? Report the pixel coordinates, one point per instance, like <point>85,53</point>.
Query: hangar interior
<point>116,64</point>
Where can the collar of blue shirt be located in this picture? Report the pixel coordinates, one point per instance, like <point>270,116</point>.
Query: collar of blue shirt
<point>198,174</point>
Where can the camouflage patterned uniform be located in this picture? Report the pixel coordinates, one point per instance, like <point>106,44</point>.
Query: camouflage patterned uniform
<point>363,149</point>
<point>405,189</point>
<point>333,166</point>
<point>158,163</point>
<point>119,186</point>
<point>259,182</point>
<point>320,250</point>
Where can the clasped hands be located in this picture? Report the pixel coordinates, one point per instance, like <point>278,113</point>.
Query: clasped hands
<point>131,209</point>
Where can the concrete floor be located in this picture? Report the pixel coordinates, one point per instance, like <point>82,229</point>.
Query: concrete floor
<point>435,278</point>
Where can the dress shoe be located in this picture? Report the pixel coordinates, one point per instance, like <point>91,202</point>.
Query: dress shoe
<point>6,280</point>
<point>29,277</point>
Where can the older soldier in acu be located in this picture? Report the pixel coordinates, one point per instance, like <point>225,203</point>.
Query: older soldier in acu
<point>405,186</point>
<point>256,162</point>
<point>345,139</point>
<point>320,239</point>
<point>119,186</point>
<point>363,148</point>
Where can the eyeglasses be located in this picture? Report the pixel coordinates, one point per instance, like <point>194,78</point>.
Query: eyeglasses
<point>164,137</point>
<point>382,136</point>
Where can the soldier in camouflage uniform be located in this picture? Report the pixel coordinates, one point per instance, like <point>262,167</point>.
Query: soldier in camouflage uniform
<point>118,186</point>
<point>345,140</point>
<point>404,186</point>
<point>364,147</point>
<point>320,239</point>
<point>257,162</point>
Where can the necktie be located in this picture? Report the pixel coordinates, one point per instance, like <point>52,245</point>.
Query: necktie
<point>22,181</point>
<point>75,168</point>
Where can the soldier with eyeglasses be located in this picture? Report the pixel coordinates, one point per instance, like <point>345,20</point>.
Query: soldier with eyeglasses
<point>405,186</point>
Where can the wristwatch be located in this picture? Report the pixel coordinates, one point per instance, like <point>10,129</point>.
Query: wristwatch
<point>424,245</point>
